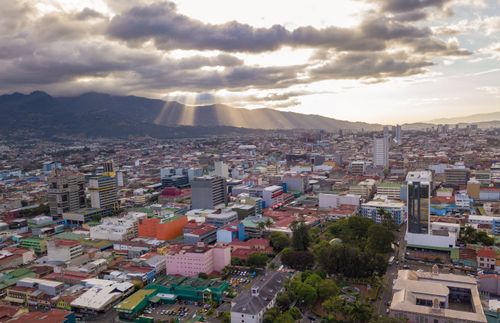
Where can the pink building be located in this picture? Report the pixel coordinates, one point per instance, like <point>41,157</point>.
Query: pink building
<point>192,260</point>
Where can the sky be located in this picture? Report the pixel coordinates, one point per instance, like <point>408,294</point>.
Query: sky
<point>378,61</point>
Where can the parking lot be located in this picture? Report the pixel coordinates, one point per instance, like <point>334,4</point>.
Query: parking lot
<point>239,278</point>
<point>180,311</point>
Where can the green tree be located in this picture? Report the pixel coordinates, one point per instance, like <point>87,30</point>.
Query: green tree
<point>306,294</point>
<point>327,288</point>
<point>379,239</point>
<point>279,241</point>
<point>314,280</point>
<point>285,318</point>
<point>271,314</point>
<point>257,260</point>
<point>298,260</point>
<point>225,317</point>
<point>300,237</point>
<point>295,312</point>
<point>283,301</point>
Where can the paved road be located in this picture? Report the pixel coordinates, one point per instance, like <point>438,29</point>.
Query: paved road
<point>391,273</point>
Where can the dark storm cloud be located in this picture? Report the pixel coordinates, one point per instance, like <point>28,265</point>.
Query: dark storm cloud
<point>369,65</point>
<point>398,6</point>
<point>170,30</point>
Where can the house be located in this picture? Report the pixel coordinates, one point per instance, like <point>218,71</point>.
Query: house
<point>486,258</point>
<point>251,305</point>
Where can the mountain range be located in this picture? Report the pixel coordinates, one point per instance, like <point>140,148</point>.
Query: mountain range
<point>96,114</point>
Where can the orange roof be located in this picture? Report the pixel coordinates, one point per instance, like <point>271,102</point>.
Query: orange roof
<point>487,253</point>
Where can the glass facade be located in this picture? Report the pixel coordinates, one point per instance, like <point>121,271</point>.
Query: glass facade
<point>418,207</point>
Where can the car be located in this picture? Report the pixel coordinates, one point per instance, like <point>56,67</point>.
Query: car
<point>406,267</point>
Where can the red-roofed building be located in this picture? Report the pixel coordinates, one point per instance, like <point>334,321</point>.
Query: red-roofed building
<point>486,258</point>
<point>53,316</point>
<point>8,312</point>
<point>243,249</point>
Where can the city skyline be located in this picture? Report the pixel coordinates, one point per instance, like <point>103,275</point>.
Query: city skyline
<point>378,61</point>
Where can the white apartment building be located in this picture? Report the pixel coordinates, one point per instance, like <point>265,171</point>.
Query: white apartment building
<point>381,152</point>
<point>63,250</point>
<point>118,229</point>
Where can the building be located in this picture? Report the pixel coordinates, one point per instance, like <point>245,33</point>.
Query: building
<point>391,190</point>
<point>208,192</point>
<point>272,196</point>
<point>398,135</point>
<point>53,316</point>
<point>474,188</point>
<point>379,204</point>
<point>456,176</point>
<point>296,182</point>
<point>199,232</point>
<point>222,218</point>
<point>221,169</point>
<point>358,168</point>
<point>364,188</point>
<point>435,297</point>
<point>63,250</point>
<point>101,295</point>
<point>381,152</point>
<point>193,260</point>
<point>118,229</point>
<point>49,287</point>
<point>38,245</point>
<point>335,200</point>
<point>162,228</point>
<point>66,191</point>
<point>103,192</point>
<point>462,200</point>
<point>83,216</point>
<point>418,233</point>
<point>486,259</point>
<point>419,188</point>
<point>251,305</point>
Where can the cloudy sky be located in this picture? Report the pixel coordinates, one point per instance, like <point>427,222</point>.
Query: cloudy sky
<point>387,61</point>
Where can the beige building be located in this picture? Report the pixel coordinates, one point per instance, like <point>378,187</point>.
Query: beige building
<point>425,297</point>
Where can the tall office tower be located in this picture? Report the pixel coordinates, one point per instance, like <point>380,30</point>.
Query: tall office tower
<point>103,192</point>
<point>419,188</point>
<point>66,191</point>
<point>108,166</point>
<point>381,152</point>
<point>398,135</point>
<point>386,131</point>
<point>208,192</point>
<point>221,169</point>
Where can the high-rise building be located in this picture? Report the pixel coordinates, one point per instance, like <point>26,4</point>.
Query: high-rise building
<point>66,191</point>
<point>456,176</point>
<point>208,192</point>
<point>398,135</point>
<point>103,192</point>
<point>108,166</point>
<point>381,152</point>
<point>386,132</point>
<point>221,169</point>
<point>419,188</point>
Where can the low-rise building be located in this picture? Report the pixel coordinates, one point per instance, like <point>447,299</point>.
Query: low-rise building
<point>251,305</point>
<point>63,250</point>
<point>192,260</point>
<point>436,297</point>
<point>101,295</point>
<point>379,205</point>
<point>486,259</point>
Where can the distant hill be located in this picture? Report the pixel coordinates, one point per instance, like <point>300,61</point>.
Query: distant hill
<point>103,115</point>
<point>474,118</point>
<point>97,114</point>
